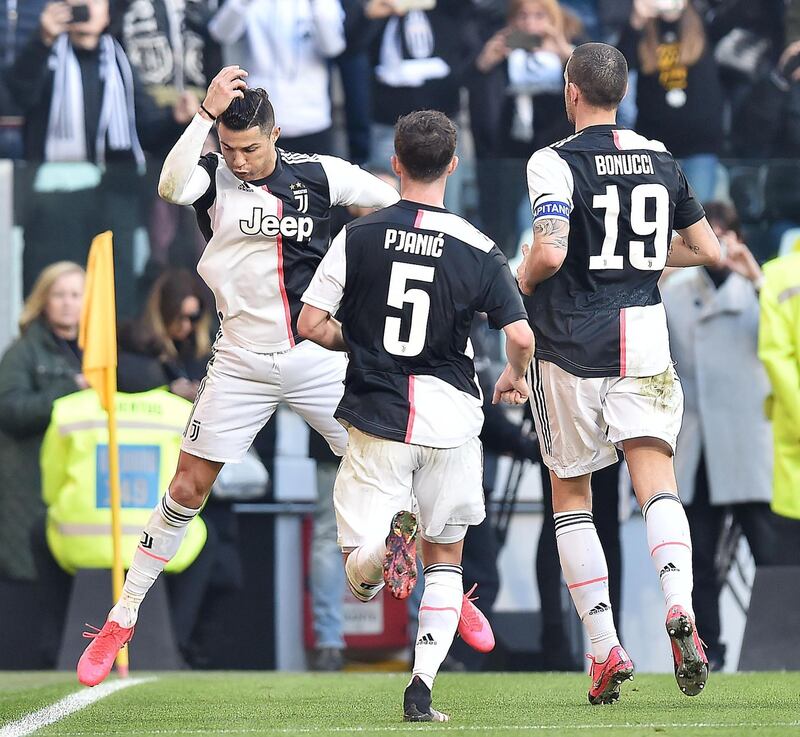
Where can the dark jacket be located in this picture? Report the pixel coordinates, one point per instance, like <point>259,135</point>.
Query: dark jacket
<point>691,124</point>
<point>35,371</point>
<point>492,117</point>
<point>30,81</point>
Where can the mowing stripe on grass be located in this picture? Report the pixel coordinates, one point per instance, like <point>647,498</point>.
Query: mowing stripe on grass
<point>30,723</point>
<point>410,726</point>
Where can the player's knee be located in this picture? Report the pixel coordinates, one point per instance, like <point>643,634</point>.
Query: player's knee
<point>189,489</point>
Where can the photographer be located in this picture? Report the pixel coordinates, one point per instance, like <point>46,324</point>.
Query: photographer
<point>678,94</point>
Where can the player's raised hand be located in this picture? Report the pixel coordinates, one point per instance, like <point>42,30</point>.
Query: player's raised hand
<point>739,258</point>
<point>510,389</point>
<point>54,21</point>
<point>225,88</point>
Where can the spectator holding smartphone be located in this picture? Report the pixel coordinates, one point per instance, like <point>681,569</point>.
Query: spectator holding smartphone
<point>88,120</point>
<point>517,106</point>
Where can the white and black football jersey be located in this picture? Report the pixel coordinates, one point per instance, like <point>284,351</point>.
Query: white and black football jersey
<point>601,313</point>
<point>265,239</point>
<point>406,282</point>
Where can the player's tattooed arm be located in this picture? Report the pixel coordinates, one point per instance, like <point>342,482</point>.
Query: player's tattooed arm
<point>549,249</point>
<point>552,232</point>
<point>696,245</point>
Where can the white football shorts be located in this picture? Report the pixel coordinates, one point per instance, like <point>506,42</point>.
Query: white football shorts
<point>242,390</point>
<point>581,421</point>
<point>378,478</point>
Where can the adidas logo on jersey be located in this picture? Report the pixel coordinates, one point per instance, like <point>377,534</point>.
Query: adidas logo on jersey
<point>244,187</point>
<point>600,608</point>
<point>426,639</point>
<point>669,568</point>
<point>289,226</point>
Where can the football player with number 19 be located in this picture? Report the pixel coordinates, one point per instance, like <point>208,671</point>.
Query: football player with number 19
<point>605,202</point>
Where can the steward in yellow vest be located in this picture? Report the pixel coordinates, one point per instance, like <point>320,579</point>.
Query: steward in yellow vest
<point>74,461</point>
<point>779,349</point>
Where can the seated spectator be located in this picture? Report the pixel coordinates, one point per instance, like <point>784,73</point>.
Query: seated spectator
<point>678,92</point>
<point>168,345</point>
<point>42,365</point>
<point>286,48</point>
<point>779,349</point>
<point>723,460</point>
<point>517,107</point>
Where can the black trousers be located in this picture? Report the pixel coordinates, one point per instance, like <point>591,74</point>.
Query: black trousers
<point>605,508</point>
<point>761,528</point>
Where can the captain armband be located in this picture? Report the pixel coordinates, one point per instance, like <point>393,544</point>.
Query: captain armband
<point>551,209</point>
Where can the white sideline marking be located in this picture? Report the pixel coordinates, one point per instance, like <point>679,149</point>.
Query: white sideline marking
<point>410,726</point>
<point>34,721</point>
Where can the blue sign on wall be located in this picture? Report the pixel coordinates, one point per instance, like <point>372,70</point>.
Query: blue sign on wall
<point>139,467</point>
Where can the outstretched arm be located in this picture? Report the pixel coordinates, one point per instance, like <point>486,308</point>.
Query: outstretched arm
<point>182,180</point>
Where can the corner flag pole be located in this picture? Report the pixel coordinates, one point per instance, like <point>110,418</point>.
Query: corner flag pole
<point>98,339</point>
<point>117,572</point>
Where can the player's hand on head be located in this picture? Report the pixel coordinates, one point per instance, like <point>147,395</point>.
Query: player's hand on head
<point>54,21</point>
<point>224,88</point>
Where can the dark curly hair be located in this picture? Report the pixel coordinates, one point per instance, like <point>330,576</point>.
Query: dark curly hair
<point>252,109</point>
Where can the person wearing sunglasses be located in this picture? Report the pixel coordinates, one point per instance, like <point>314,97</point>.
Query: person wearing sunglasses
<point>169,343</point>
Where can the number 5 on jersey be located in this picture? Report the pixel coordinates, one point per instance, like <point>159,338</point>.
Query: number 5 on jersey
<point>420,302</point>
<point>659,227</point>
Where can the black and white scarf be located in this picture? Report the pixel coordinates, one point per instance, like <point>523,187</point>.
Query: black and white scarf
<point>66,129</point>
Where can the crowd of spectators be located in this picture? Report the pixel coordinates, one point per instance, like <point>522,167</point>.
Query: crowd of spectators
<point>93,93</point>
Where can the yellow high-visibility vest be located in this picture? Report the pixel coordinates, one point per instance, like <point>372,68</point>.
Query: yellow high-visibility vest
<point>74,461</point>
<point>779,349</point>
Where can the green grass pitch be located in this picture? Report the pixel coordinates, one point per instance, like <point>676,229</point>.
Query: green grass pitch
<point>750,704</point>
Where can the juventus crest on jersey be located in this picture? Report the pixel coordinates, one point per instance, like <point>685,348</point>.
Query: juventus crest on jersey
<point>405,283</point>
<point>601,313</point>
<point>265,239</point>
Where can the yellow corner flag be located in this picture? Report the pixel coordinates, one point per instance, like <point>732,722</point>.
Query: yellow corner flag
<point>98,330</point>
<point>98,340</point>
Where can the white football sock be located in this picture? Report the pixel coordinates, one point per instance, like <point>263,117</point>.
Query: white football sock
<point>439,613</point>
<point>364,570</point>
<point>670,546</point>
<point>161,538</point>
<point>586,573</point>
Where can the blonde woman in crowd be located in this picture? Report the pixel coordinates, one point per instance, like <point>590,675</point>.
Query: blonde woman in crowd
<point>42,365</point>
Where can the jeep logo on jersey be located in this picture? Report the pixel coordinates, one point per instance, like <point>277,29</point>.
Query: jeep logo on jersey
<point>289,226</point>
<point>300,194</point>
